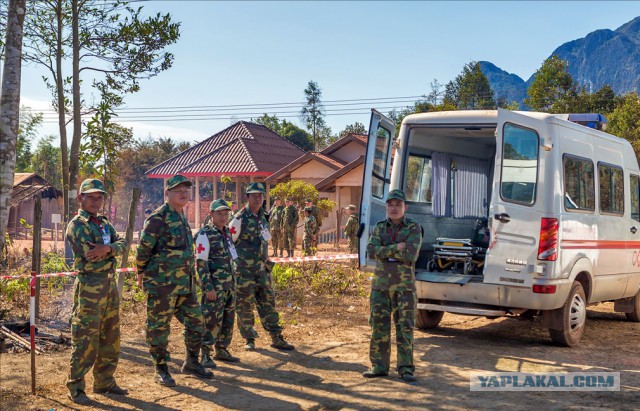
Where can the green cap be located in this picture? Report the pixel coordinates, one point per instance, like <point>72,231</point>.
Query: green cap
<point>92,185</point>
<point>255,188</point>
<point>288,199</point>
<point>308,200</point>
<point>276,198</point>
<point>219,204</point>
<point>176,181</point>
<point>309,209</point>
<point>396,195</point>
<point>351,207</point>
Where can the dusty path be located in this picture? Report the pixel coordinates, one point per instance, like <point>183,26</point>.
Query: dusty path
<point>332,351</point>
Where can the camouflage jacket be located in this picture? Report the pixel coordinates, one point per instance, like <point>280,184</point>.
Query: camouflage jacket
<point>290,218</point>
<point>309,226</point>
<point>85,228</point>
<point>216,273</point>
<point>395,270</point>
<point>245,229</point>
<point>275,218</point>
<point>316,214</point>
<point>351,229</point>
<point>166,252</point>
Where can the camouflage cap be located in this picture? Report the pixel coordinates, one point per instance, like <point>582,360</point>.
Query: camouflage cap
<point>255,188</point>
<point>308,200</point>
<point>396,195</point>
<point>92,185</point>
<point>309,209</point>
<point>288,199</point>
<point>276,198</point>
<point>219,204</point>
<point>176,181</point>
<point>148,211</point>
<point>352,207</point>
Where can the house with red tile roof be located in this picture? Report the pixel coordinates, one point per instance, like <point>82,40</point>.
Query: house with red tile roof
<point>246,152</point>
<point>336,172</point>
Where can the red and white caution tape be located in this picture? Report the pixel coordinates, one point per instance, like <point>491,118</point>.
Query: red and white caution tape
<point>66,273</point>
<point>314,258</point>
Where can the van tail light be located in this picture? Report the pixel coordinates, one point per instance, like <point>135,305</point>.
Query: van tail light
<point>548,246</point>
<point>544,289</point>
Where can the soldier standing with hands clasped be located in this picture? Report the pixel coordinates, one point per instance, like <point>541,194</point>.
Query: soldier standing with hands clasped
<point>250,234</point>
<point>95,320</point>
<point>289,225</point>
<point>351,229</point>
<point>309,230</point>
<point>215,254</point>
<point>275,218</point>
<point>165,265</point>
<point>395,244</point>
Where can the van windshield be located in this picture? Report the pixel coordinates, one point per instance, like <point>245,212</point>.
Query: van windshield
<point>519,164</point>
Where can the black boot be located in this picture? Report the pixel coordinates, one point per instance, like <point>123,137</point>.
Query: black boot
<point>193,366</point>
<point>163,377</point>
<point>281,253</point>
<point>207,361</point>
<point>275,252</point>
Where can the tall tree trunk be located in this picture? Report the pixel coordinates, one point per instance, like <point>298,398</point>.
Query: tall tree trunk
<point>77,105</point>
<point>10,112</point>
<point>62,121</point>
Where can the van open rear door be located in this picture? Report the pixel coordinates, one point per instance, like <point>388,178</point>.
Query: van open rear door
<point>514,214</point>
<point>375,183</point>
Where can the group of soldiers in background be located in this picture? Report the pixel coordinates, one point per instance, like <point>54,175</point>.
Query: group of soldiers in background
<point>283,223</point>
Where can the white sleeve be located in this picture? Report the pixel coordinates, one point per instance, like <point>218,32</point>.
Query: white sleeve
<point>235,226</point>
<point>202,246</point>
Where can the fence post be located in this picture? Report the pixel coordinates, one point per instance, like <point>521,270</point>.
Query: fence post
<point>32,329</point>
<point>133,208</point>
<point>37,249</point>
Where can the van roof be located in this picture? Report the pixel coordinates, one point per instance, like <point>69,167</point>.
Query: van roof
<point>467,116</point>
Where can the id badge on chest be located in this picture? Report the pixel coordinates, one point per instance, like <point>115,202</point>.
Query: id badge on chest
<point>106,236</point>
<point>266,235</point>
<point>232,250</point>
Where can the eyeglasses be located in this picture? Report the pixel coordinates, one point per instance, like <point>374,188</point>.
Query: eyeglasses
<point>184,191</point>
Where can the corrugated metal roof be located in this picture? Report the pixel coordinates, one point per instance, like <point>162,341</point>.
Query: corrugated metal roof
<point>239,149</point>
<point>28,185</point>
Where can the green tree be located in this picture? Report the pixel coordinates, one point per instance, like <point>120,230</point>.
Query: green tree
<point>553,90</point>
<point>286,129</point>
<point>470,90</point>
<point>624,121</point>
<point>27,132</point>
<point>312,114</point>
<point>47,161</point>
<point>355,128</point>
<point>110,43</point>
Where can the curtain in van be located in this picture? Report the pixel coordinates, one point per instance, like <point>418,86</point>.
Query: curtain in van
<point>470,187</point>
<point>468,177</point>
<point>441,184</point>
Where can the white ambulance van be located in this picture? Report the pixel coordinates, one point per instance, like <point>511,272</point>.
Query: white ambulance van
<point>524,214</point>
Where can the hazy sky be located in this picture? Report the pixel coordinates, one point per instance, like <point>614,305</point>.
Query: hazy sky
<point>251,53</point>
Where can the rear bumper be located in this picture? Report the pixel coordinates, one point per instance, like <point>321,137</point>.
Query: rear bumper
<point>474,297</point>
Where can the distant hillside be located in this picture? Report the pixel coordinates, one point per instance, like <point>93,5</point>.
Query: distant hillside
<point>602,57</point>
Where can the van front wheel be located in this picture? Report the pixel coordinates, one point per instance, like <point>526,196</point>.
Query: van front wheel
<point>428,319</point>
<point>572,315</point>
<point>635,314</point>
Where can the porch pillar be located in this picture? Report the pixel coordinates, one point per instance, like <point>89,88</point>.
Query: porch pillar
<point>198,223</point>
<point>238,191</point>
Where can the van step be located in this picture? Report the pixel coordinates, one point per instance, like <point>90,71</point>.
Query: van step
<point>463,310</point>
<point>450,278</point>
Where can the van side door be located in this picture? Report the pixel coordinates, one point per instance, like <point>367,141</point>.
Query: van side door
<point>375,182</point>
<point>517,198</point>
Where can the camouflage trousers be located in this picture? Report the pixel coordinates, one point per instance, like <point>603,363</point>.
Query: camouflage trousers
<point>256,288</point>
<point>276,239</point>
<point>289,239</point>
<point>402,306</point>
<point>219,317</point>
<point>353,245</point>
<point>308,244</point>
<point>161,308</point>
<point>95,333</point>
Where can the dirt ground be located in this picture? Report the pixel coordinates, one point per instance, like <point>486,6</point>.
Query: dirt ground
<point>324,373</point>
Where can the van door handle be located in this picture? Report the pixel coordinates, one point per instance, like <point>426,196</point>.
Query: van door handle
<point>503,217</point>
<point>633,230</point>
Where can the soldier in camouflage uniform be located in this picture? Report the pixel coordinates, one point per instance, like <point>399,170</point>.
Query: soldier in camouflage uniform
<point>250,234</point>
<point>95,320</point>
<point>214,258</point>
<point>351,229</point>
<point>275,217</point>
<point>289,226</point>
<point>395,244</point>
<point>309,230</point>
<point>316,214</point>
<point>166,267</point>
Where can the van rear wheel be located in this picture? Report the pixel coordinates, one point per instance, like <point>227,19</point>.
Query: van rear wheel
<point>572,316</point>
<point>428,319</point>
<point>635,314</point>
